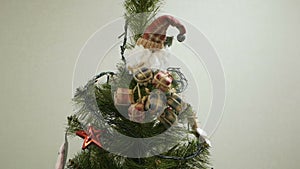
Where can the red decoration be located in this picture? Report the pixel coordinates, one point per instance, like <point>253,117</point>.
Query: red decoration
<point>136,112</point>
<point>155,34</point>
<point>91,136</point>
<point>162,81</point>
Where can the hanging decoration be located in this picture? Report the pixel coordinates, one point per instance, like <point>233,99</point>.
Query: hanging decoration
<point>91,136</point>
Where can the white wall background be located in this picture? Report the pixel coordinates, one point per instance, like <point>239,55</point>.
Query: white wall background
<point>257,41</point>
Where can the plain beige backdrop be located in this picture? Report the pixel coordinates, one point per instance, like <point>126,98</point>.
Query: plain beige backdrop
<point>257,41</point>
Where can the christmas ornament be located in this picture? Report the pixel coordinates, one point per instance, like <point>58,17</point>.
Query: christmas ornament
<point>123,97</point>
<point>91,136</point>
<point>156,103</point>
<point>162,81</point>
<point>136,112</point>
<point>143,75</point>
<point>175,102</point>
<point>168,117</point>
<point>154,36</point>
<point>62,154</point>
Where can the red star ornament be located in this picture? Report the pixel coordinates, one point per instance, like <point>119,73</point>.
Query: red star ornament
<point>91,136</point>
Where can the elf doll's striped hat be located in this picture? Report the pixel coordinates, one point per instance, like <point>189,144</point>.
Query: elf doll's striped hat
<point>154,36</point>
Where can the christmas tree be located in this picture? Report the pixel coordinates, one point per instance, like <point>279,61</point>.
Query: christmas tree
<point>136,118</point>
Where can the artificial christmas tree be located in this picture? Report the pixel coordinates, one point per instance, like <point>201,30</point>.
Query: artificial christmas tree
<point>138,119</point>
